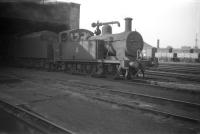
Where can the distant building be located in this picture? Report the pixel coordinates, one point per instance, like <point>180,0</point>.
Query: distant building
<point>148,51</point>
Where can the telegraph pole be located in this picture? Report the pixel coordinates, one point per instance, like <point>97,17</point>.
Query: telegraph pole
<point>196,41</point>
<point>197,9</point>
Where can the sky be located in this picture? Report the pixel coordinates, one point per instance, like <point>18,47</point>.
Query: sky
<point>174,22</point>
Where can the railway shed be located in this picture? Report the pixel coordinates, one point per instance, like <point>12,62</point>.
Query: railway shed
<point>20,17</point>
<point>148,51</point>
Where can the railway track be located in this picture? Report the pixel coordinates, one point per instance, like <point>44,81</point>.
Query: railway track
<point>168,75</point>
<point>179,68</point>
<point>139,99</point>
<point>181,71</point>
<point>175,108</point>
<point>35,121</point>
<point>154,111</point>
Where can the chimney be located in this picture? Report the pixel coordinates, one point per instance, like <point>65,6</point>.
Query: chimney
<point>158,43</point>
<point>128,24</point>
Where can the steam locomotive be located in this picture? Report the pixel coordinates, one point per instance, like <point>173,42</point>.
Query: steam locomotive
<point>80,51</point>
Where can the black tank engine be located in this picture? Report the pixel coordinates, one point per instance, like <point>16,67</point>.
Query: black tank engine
<point>81,51</point>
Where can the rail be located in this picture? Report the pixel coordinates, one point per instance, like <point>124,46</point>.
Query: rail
<point>33,120</point>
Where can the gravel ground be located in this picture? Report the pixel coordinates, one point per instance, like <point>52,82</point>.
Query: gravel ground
<point>50,95</point>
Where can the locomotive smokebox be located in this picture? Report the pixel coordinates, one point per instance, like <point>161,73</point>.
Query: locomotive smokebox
<point>128,24</point>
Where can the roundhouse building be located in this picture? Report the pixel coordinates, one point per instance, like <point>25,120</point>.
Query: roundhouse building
<point>22,17</point>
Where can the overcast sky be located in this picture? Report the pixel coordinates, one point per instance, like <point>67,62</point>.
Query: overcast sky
<point>174,22</point>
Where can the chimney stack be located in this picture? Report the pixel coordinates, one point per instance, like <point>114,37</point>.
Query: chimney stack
<point>158,43</point>
<point>128,24</point>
